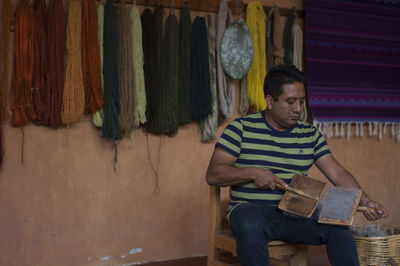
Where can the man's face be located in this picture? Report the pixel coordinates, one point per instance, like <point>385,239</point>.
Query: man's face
<point>287,109</point>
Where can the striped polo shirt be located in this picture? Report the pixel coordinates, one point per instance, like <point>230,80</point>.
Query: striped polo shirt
<point>256,144</point>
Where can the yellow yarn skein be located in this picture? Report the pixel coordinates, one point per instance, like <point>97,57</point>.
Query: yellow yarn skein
<point>255,19</point>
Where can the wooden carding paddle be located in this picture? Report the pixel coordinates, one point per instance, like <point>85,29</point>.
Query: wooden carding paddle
<point>339,205</point>
<point>302,195</point>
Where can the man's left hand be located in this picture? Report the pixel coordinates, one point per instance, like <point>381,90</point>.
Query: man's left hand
<point>376,211</point>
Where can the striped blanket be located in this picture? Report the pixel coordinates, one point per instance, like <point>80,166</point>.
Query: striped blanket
<point>353,62</point>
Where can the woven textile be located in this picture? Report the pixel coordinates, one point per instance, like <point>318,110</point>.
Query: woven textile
<point>353,61</point>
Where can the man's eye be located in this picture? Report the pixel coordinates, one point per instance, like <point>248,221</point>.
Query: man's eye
<point>291,102</point>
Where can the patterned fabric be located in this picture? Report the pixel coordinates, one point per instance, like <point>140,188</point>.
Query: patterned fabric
<point>256,144</point>
<point>353,61</point>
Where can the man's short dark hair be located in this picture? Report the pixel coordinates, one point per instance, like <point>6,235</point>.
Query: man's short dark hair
<point>280,75</point>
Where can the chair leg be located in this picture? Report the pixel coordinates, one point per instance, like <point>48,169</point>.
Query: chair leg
<point>300,259</point>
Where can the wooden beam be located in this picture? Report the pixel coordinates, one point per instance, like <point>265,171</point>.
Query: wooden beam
<point>210,6</point>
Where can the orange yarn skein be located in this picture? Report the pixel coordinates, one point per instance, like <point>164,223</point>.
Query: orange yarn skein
<point>91,68</point>
<point>74,94</point>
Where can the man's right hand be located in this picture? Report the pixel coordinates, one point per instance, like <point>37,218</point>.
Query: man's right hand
<point>265,179</point>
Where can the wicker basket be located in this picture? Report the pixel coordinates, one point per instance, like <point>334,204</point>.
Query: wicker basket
<point>378,250</point>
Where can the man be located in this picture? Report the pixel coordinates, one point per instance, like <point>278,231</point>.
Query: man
<point>263,149</point>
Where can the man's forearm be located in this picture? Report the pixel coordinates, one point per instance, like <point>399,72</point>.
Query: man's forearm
<point>346,179</point>
<point>227,175</point>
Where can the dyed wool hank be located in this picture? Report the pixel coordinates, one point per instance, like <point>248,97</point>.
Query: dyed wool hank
<point>200,92</point>
<point>255,18</point>
<point>40,91</point>
<point>137,56</point>
<point>74,92</point>
<point>56,51</point>
<point>91,68</point>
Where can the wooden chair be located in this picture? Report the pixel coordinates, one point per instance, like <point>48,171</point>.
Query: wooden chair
<point>222,243</point>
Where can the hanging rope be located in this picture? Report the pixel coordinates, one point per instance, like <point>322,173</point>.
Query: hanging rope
<point>98,115</point>
<point>149,66</point>
<point>5,30</point>
<point>40,93</point>
<point>200,93</point>
<point>209,125</point>
<point>74,92</point>
<point>156,189</point>
<point>125,70</point>
<point>288,37</point>
<point>137,50</point>
<point>153,101</point>
<point>226,86</point>
<point>185,30</point>
<point>167,116</point>
<point>91,58</point>
<point>56,50</point>
<point>111,107</point>
<point>255,18</point>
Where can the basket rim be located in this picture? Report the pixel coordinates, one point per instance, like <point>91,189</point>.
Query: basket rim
<point>397,235</point>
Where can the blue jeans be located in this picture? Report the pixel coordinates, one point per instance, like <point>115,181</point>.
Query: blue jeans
<point>254,225</point>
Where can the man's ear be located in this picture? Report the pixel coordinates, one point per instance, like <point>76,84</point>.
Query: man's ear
<point>269,100</point>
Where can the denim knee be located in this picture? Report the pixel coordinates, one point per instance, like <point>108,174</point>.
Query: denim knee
<point>248,224</point>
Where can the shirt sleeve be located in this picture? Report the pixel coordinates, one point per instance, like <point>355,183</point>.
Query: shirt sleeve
<point>320,146</point>
<point>231,138</point>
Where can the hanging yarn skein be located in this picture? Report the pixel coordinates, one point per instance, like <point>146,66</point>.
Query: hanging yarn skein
<point>20,94</point>
<point>4,83</point>
<point>269,35</point>
<point>277,50</point>
<point>137,55</point>
<point>40,91</point>
<point>153,101</point>
<point>200,92</point>
<point>111,107</point>
<point>255,18</point>
<point>125,70</point>
<point>56,51</point>
<point>91,58</point>
<point>288,37</point>
<point>74,92</point>
<point>226,86</point>
<point>185,30</point>
<point>98,115</point>
<point>149,66</point>
<point>244,98</point>
<point>208,126</point>
<point>167,116</point>
<point>1,146</point>
<point>297,47</point>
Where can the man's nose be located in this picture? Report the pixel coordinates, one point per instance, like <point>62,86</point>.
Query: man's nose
<point>297,107</point>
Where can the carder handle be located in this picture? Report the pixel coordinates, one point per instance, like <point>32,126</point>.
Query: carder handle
<point>294,190</point>
<point>363,208</point>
